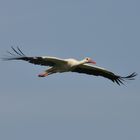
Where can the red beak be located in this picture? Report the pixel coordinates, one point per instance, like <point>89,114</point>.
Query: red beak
<point>91,61</point>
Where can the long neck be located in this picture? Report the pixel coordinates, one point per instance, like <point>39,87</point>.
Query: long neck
<point>82,62</point>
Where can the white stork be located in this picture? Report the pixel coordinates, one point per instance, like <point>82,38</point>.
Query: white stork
<point>68,65</point>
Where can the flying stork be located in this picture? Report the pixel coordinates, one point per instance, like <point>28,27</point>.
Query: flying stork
<point>58,65</point>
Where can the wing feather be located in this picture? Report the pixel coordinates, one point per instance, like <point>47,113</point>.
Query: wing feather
<point>41,60</point>
<point>98,71</point>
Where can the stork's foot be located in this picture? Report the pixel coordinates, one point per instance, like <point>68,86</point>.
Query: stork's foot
<point>43,74</point>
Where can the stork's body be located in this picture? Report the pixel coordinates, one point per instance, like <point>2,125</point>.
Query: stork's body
<point>58,65</point>
<point>65,65</point>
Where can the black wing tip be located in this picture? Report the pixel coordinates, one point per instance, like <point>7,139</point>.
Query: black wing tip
<point>120,80</point>
<point>18,51</point>
<point>16,54</point>
<point>129,77</point>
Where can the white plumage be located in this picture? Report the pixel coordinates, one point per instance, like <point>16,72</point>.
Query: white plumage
<point>68,65</point>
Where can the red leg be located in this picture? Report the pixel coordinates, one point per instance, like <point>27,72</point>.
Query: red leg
<point>43,74</point>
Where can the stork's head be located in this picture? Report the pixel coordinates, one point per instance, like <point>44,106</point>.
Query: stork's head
<point>89,60</point>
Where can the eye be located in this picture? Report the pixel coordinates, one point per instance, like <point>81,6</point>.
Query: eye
<point>87,58</point>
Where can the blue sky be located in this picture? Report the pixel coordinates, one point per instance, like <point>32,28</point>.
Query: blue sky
<point>70,106</point>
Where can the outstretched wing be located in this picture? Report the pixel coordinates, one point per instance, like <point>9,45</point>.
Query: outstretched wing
<point>98,71</point>
<point>41,60</point>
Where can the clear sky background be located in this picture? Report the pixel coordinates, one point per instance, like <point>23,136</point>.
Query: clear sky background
<point>70,106</point>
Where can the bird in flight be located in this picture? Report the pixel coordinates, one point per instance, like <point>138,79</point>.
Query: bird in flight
<point>58,65</point>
